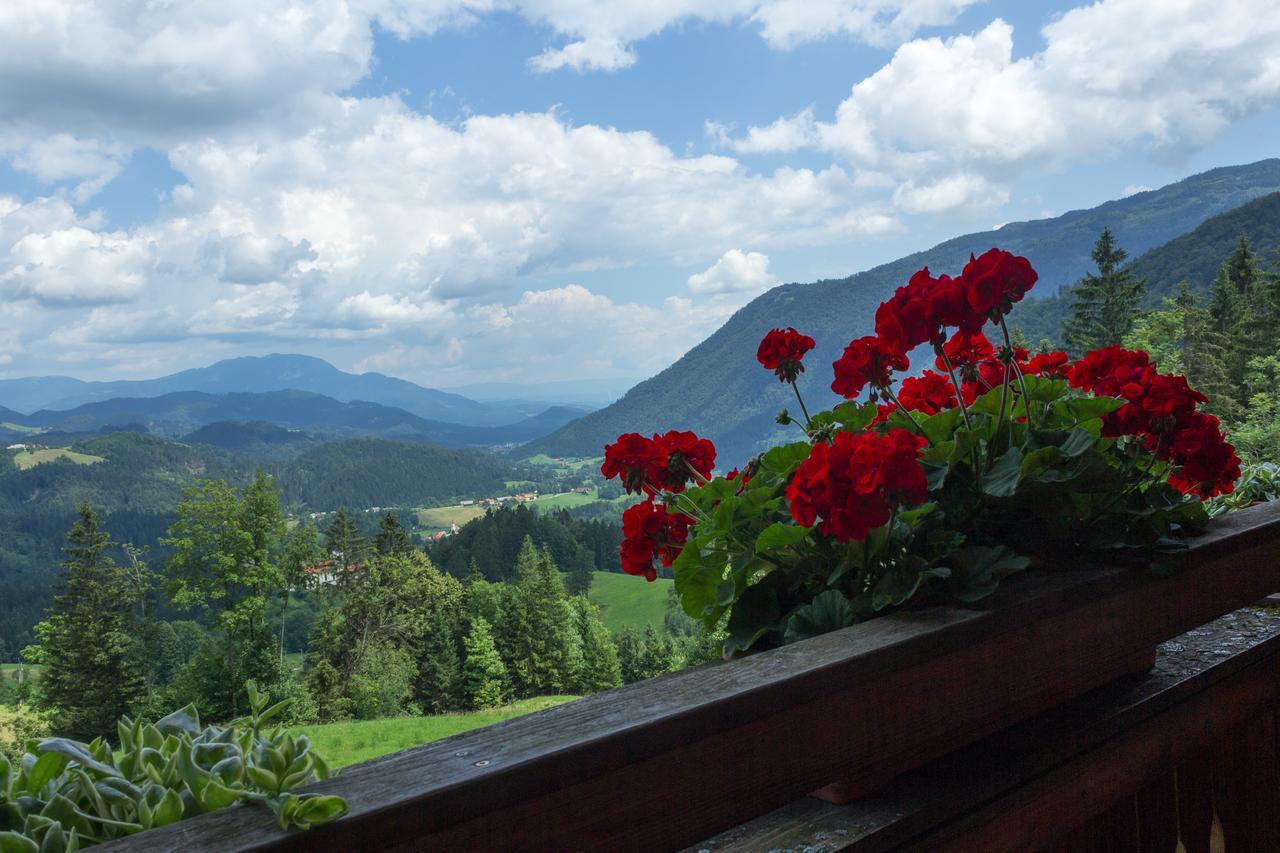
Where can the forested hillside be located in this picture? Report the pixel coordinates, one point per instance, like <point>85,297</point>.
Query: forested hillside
<point>1193,258</point>
<point>716,390</point>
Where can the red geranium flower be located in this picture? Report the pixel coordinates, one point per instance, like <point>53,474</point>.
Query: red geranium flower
<point>966,350</point>
<point>1207,464</point>
<point>683,451</point>
<point>1108,370</point>
<point>648,529</point>
<point>865,360</point>
<point>633,458</point>
<point>995,280</point>
<point>782,350</point>
<point>852,485</point>
<point>929,393</point>
<point>1051,365</point>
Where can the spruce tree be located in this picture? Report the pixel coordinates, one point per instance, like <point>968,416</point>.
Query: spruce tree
<point>544,649</point>
<point>601,669</point>
<point>344,545</point>
<point>391,538</point>
<point>657,654</point>
<point>439,686</point>
<point>484,675</point>
<point>92,674</point>
<point>1103,306</point>
<point>630,650</point>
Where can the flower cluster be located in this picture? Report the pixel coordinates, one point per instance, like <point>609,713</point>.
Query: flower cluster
<point>662,463</point>
<point>650,529</point>
<point>1162,409</point>
<point>782,351</point>
<point>853,484</point>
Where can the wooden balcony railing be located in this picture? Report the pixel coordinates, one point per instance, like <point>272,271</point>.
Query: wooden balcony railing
<point>994,728</point>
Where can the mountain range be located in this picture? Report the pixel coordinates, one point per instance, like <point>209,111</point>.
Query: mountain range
<point>718,389</point>
<point>276,372</point>
<point>235,420</point>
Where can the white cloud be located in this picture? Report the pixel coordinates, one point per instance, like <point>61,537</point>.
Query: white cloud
<point>1134,189</point>
<point>948,120</point>
<point>734,272</point>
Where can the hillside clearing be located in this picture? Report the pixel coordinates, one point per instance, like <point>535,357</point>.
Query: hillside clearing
<point>26,459</point>
<point>341,744</point>
<point>627,600</point>
<point>441,517</point>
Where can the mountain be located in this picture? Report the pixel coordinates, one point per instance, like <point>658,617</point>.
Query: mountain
<point>718,389</point>
<point>257,374</point>
<point>259,439</point>
<point>591,393</point>
<point>1193,257</point>
<point>188,412</point>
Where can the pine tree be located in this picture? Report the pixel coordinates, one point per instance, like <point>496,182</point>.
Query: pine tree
<point>630,650</point>
<point>344,545</point>
<point>543,647</point>
<point>484,675</point>
<point>92,674</point>
<point>440,685</point>
<point>657,654</point>
<point>391,538</point>
<point>601,669</point>
<point>1103,306</point>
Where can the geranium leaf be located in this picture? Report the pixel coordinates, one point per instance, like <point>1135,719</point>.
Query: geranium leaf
<point>1078,442</point>
<point>938,428</point>
<point>854,416</point>
<point>780,535</point>
<point>1002,480</point>
<point>829,611</point>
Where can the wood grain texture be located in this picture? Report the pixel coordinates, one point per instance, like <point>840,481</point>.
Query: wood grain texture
<point>660,764</point>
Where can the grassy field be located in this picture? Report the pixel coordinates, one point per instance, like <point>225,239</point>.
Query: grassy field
<point>19,428</point>
<point>8,669</point>
<point>550,503</point>
<point>439,518</point>
<point>341,744</point>
<point>571,464</point>
<point>628,600</point>
<point>30,458</point>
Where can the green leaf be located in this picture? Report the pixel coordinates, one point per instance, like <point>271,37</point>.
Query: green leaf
<point>1078,442</point>
<point>854,416</point>
<point>782,460</point>
<point>780,535</point>
<point>182,721</point>
<point>978,569</point>
<point>12,842</point>
<point>755,613</point>
<point>1043,390</point>
<point>169,810</point>
<point>1088,408</point>
<point>938,428</point>
<point>829,611</point>
<point>76,752</point>
<point>217,796</point>
<point>317,809</point>
<point>45,770</point>
<point>1002,480</point>
<point>900,582</point>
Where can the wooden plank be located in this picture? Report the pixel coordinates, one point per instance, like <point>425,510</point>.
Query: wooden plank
<point>1157,811</point>
<point>994,769</point>
<point>724,742</point>
<point>1195,802</point>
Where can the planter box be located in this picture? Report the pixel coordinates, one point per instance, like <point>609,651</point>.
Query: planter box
<point>665,763</point>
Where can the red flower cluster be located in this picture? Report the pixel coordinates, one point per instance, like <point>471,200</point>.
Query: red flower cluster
<point>782,350</point>
<point>853,484</point>
<point>996,280</point>
<point>662,463</point>
<point>1050,365</point>
<point>865,361</point>
<point>648,529</point>
<point>929,393</point>
<point>1162,409</point>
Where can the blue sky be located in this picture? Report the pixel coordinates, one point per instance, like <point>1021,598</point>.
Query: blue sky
<point>462,191</point>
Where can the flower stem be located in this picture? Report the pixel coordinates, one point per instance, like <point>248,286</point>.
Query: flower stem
<point>800,400</point>
<point>951,371</point>
<point>905,411</point>
<point>1022,383</point>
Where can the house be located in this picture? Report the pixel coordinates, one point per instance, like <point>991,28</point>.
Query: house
<point>466,503</point>
<point>325,573</point>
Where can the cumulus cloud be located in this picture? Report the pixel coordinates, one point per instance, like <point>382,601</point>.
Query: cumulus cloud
<point>734,272</point>
<point>951,120</point>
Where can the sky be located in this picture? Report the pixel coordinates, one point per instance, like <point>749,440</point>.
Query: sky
<point>461,191</point>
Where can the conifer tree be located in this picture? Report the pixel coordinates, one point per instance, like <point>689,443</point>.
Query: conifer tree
<point>543,647</point>
<point>440,685</point>
<point>92,674</point>
<point>657,654</point>
<point>1103,306</point>
<point>484,675</point>
<point>344,545</point>
<point>392,537</point>
<point>601,669</point>
<point>630,650</point>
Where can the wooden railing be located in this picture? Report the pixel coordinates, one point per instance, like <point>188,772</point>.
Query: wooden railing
<point>960,711</point>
